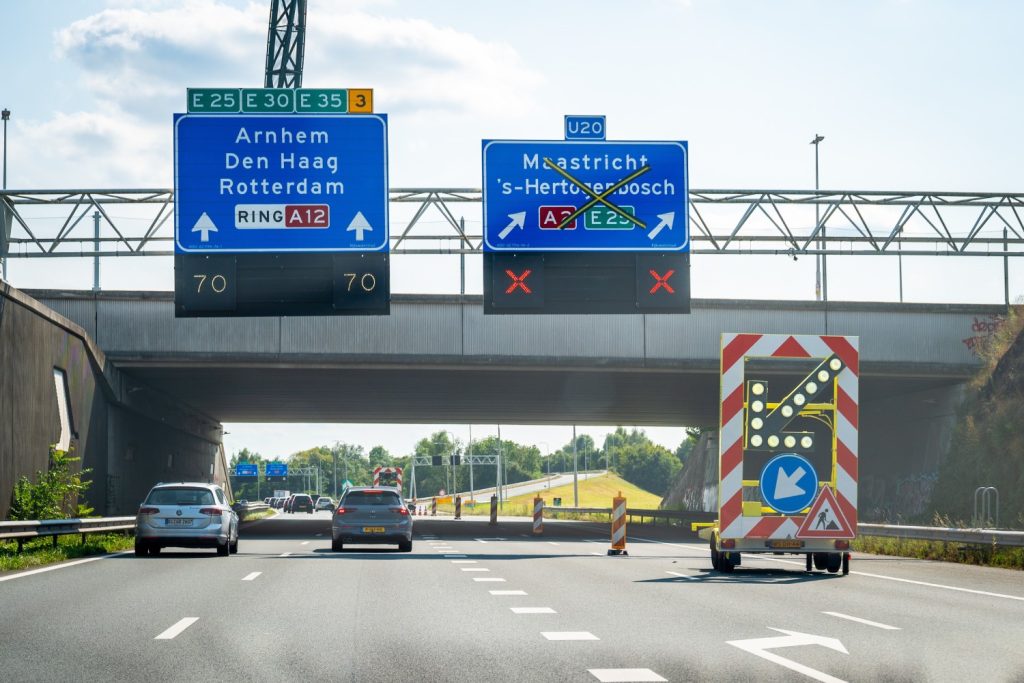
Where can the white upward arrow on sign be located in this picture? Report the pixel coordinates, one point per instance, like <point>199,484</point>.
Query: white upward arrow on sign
<point>359,224</point>
<point>785,485</point>
<point>204,226</point>
<point>760,647</point>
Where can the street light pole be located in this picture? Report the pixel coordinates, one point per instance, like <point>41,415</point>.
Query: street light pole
<point>820,274</point>
<point>5,115</point>
<point>575,471</point>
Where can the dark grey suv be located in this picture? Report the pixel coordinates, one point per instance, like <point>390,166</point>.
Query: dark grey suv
<point>371,515</point>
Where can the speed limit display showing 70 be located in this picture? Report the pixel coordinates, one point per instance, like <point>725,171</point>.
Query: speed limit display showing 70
<point>228,285</point>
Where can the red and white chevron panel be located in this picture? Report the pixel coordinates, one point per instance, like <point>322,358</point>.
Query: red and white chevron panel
<point>397,471</point>
<point>736,347</point>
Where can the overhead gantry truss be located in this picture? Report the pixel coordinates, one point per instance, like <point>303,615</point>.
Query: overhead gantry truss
<point>64,223</point>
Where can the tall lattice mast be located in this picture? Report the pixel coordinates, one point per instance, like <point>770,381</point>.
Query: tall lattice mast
<point>286,41</point>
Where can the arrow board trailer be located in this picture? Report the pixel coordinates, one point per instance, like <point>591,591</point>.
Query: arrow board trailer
<point>788,465</point>
<point>573,195</point>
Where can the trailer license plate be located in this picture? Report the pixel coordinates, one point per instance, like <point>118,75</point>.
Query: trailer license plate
<point>373,529</point>
<point>786,543</point>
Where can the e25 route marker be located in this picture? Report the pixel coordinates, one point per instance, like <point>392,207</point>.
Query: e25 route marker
<point>619,188</point>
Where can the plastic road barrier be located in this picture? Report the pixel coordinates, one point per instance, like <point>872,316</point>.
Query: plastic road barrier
<point>538,515</point>
<point>494,510</point>
<point>618,526</point>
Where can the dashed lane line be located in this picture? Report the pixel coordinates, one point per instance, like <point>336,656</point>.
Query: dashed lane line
<point>285,554</point>
<point>304,543</point>
<point>508,592</point>
<point>173,631</point>
<point>491,579</point>
<point>884,627</point>
<point>463,561</point>
<point>532,610</point>
<point>251,577</point>
<point>625,675</point>
<point>474,569</point>
<point>569,635</point>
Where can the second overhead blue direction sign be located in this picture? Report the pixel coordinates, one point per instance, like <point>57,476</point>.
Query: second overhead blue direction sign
<point>585,196</point>
<point>292,183</point>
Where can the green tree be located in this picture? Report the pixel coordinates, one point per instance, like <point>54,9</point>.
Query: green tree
<point>55,493</point>
<point>639,461</point>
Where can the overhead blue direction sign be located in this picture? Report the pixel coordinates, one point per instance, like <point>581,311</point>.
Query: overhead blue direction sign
<point>585,196</point>
<point>244,469</point>
<point>276,469</point>
<point>258,183</point>
<point>789,483</point>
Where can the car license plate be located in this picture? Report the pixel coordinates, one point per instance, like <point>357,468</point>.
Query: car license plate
<point>373,529</point>
<point>179,522</point>
<point>786,543</point>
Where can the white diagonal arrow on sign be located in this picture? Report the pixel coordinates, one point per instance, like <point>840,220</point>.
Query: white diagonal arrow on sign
<point>665,220</point>
<point>760,647</point>
<point>785,485</point>
<point>204,226</point>
<point>518,220</point>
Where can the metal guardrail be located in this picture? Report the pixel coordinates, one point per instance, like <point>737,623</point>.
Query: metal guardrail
<point>998,537</point>
<point>642,513</point>
<point>22,531</point>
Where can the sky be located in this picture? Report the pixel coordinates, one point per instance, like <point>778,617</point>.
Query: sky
<point>909,94</point>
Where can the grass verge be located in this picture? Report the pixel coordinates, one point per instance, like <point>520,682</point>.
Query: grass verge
<point>981,555</point>
<point>40,551</point>
<point>257,514</point>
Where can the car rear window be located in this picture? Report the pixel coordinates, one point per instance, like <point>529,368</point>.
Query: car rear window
<point>180,496</point>
<point>356,498</point>
<point>303,499</point>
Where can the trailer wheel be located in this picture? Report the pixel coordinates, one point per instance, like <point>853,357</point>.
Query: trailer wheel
<point>846,563</point>
<point>716,561</point>
<point>820,561</point>
<point>835,562</point>
<point>808,556</point>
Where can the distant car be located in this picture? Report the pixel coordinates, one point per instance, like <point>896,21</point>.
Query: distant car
<point>186,515</point>
<point>371,515</point>
<point>302,503</point>
<point>266,501</point>
<point>324,503</point>
<point>288,503</point>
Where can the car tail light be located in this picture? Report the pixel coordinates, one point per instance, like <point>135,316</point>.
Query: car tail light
<point>148,511</point>
<point>341,510</point>
<point>402,511</point>
<point>729,543</point>
<point>842,545</point>
<point>213,512</point>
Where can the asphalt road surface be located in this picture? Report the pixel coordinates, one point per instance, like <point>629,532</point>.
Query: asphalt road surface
<point>479,603</point>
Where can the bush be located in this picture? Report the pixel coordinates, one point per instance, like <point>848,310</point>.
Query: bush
<point>55,493</point>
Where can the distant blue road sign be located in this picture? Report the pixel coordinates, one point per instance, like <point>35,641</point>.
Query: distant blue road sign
<point>585,127</point>
<point>244,469</point>
<point>789,483</point>
<point>276,469</point>
<point>585,196</point>
<point>250,183</point>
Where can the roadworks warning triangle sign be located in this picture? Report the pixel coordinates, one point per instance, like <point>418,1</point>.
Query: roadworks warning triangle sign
<point>825,519</point>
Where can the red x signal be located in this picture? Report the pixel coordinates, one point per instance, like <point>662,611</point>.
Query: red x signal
<point>518,281</point>
<point>662,281</point>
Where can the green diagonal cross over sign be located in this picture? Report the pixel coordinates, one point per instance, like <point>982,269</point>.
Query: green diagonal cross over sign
<point>601,198</point>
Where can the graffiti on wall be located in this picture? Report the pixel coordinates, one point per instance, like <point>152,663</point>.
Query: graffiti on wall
<point>983,329</point>
<point>887,500</point>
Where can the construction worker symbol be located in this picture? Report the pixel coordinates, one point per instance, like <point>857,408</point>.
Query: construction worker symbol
<point>825,519</point>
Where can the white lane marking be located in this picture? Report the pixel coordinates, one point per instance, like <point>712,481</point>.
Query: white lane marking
<point>625,675</point>
<point>569,635</point>
<point>761,646</point>
<point>532,610</point>
<point>463,561</point>
<point>304,543</point>
<point>507,592</point>
<point>64,565</point>
<point>488,540</point>
<point>928,584</point>
<point>599,554</point>
<point>682,576</point>
<point>885,627</point>
<point>285,554</point>
<point>474,569</point>
<point>552,543</point>
<point>250,577</point>
<point>177,628</point>
<point>488,578</point>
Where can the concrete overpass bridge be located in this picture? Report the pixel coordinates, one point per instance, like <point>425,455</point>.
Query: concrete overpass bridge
<point>439,359</point>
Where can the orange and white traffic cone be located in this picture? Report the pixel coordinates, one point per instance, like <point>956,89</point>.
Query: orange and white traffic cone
<point>538,516</point>
<point>618,526</point>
